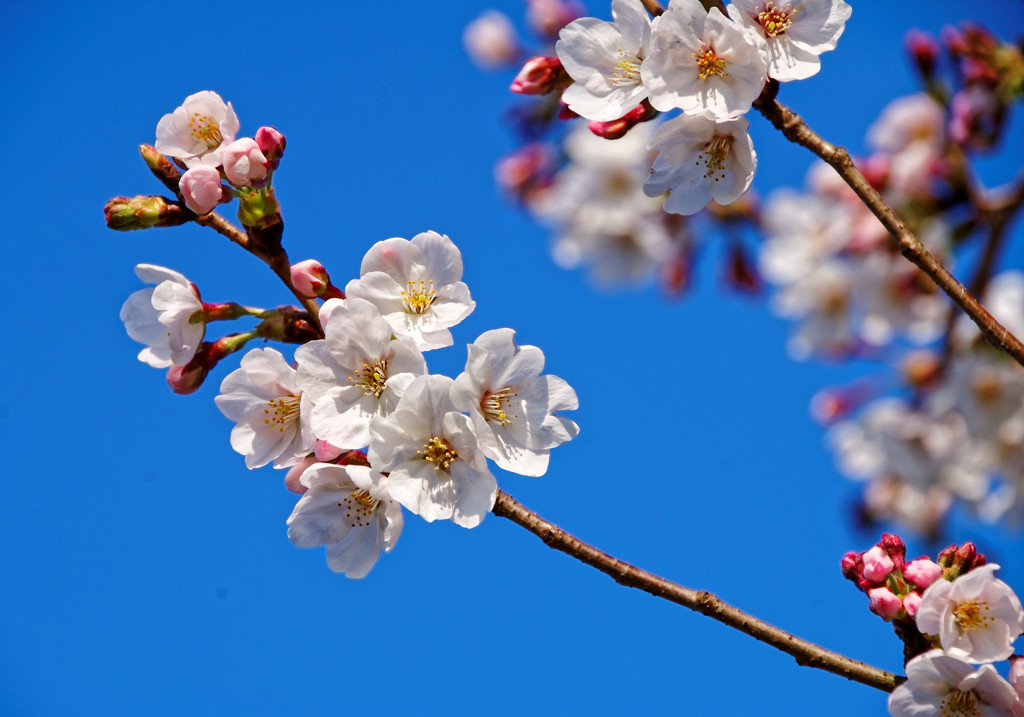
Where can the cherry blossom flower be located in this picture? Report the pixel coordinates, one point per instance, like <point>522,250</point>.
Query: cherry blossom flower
<point>201,188</point>
<point>435,464</point>
<point>197,131</point>
<point>491,40</point>
<point>416,284</point>
<point>604,59</point>
<point>167,318</point>
<point>940,685</point>
<point>602,217</point>
<point>355,372</point>
<point>977,616</point>
<point>795,33</point>
<point>700,159</point>
<point>272,415</point>
<point>512,405</point>
<point>348,509</point>
<point>703,63</point>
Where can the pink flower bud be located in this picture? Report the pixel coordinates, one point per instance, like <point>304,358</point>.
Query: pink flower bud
<point>924,50</point>
<point>291,478</point>
<point>201,189</point>
<point>895,548</point>
<point>922,572</point>
<point>325,452</point>
<point>244,163</point>
<point>310,279</point>
<point>877,564</point>
<point>271,143</point>
<point>884,603</point>
<point>911,602</point>
<point>539,76</point>
<point>618,128</point>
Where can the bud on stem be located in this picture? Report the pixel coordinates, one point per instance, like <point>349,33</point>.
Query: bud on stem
<point>143,212</point>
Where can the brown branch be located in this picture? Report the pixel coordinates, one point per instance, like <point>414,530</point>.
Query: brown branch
<point>653,7</point>
<point>797,131</point>
<point>805,653</point>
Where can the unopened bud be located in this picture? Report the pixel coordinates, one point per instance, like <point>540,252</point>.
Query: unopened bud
<point>895,548</point>
<point>143,212</point>
<point>924,50</point>
<point>271,143</point>
<point>852,566</point>
<point>911,603</point>
<point>244,163</point>
<point>885,603</point>
<point>541,75</point>
<point>288,324</point>
<point>310,279</point>
<point>877,564</point>
<point>201,189</point>
<point>186,379</point>
<point>922,572</point>
<point>160,166</point>
<point>618,128</point>
<point>740,272</point>
<point>325,452</point>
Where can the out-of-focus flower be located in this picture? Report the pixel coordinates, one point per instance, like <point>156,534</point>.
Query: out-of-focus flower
<point>491,40</point>
<point>940,685</point>
<point>605,59</point>
<point>512,405</point>
<point>201,188</point>
<point>796,34</point>
<point>977,616</point>
<point>355,372</point>
<point>347,509</point>
<point>270,412</point>
<point>416,284</point>
<point>703,63</point>
<point>197,130</point>
<point>547,17</point>
<point>435,464</point>
<point>244,162</point>
<point>162,317</point>
<point>700,159</point>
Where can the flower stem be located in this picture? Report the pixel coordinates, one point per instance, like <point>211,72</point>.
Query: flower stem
<point>797,131</point>
<point>805,653</point>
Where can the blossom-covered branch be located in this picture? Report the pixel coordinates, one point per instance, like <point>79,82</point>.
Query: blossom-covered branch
<point>805,653</point>
<point>797,131</point>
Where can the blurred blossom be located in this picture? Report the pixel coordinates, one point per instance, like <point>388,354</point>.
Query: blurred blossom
<point>547,17</point>
<point>491,41</point>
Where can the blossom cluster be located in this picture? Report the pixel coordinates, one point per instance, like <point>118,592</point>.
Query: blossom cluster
<point>361,425</point>
<point>951,614</point>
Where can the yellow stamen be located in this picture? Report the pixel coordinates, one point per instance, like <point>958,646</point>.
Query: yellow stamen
<point>419,296</point>
<point>371,377</point>
<point>204,129</point>
<point>774,20</point>
<point>496,406</point>
<point>439,452</point>
<point>709,63</point>
<point>281,412</point>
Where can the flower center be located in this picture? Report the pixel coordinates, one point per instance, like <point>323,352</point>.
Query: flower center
<point>371,377</point>
<point>359,508</point>
<point>709,63</point>
<point>418,296</point>
<point>281,411</point>
<point>497,406</point>
<point>958,702</point>
<point>627,72</point>
<point>774,20</point>
<point>439,452</point>
<point>972,615</point>
<point>205,130</point>
<point>714,154</point>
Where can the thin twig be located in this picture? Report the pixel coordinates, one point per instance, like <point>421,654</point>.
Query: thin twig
<point>805,653</point>
<point>653,7</point>
<point>797,131</point>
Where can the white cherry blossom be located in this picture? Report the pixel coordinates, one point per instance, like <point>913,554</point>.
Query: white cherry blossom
<point>270,412</point>
<point>977,616</point>
<point>703,63</point>
<point>795,31</point>
<point>604,59</point>
<point>940,685</point>
<point>347,509</point>
<point>416,284</point>
<point>700,159</point>
<point>435,464</point>
<point>355,372</point>
<point>512,405</point>
<point>162,317</point>
<point>198,130</point>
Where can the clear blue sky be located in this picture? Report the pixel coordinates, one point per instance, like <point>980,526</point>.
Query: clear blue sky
<point>146,571</point>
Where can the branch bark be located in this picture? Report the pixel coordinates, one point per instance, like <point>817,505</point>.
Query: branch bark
<point>806,654</point>
<point>797,131</point>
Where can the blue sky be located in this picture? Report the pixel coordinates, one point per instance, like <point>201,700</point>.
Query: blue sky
<point>146,571</point>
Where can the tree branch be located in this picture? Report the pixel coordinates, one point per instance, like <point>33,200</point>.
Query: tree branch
<point>805,653</point>
<point>797,131</point>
